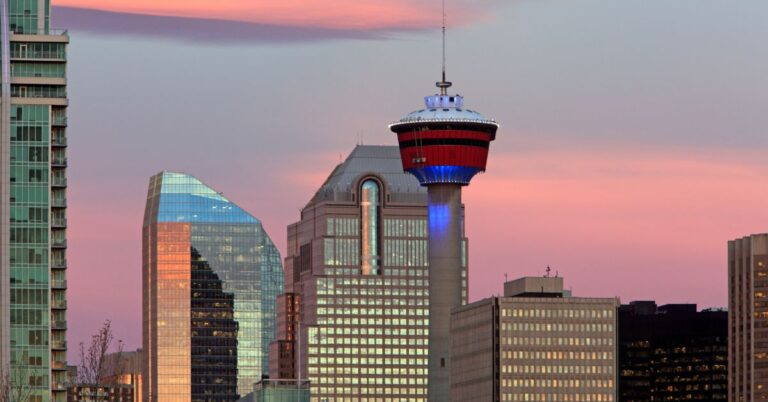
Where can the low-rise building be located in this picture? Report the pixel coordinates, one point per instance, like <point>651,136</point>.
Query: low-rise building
<point>536,343</point>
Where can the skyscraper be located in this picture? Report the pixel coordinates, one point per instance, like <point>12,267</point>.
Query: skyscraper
<point>210,278</point>
<point>357,262</point>
<point>537,343</point>
<point>33,183</point>
<point>672,353</point>
<point>444,145</point>
<point>748,318</point>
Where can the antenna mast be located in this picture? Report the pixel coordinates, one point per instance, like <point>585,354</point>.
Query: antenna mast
<point>444,85</point>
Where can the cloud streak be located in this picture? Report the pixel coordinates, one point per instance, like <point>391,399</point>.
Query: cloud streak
<point>261,21</point>
<point>332,14</point>
<point>198,30</point>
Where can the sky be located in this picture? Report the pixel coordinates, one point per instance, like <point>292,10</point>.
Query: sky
<point>631,146</point>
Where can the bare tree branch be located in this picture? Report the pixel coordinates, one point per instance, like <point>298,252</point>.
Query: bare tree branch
<point>94,368</point>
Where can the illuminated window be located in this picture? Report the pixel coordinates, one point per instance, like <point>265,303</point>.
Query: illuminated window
<point>369,210</point>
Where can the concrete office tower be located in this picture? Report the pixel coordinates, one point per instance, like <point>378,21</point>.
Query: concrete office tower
<point>672,353</point>
<point>537,343</point>
<point>443,145</point>
<point>33,181</point>
<point>748,318</point>
<point>211,275</point>
<point>358,261</point>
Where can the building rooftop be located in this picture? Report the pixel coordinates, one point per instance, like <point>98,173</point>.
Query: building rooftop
<point>535,286</point>
<point>184,198</point>
<point>384,161</point>
<point>442,108</point>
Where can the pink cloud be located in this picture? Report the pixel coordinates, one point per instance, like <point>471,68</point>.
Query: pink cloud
<point>335,14</point>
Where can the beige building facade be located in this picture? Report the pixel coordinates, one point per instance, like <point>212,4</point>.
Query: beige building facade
<point>748,319</point>
<point>537,343</point>
<point>358,261</point>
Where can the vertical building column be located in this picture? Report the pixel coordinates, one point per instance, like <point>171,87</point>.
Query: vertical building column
<point>444,282</point>
<point>5,188</point>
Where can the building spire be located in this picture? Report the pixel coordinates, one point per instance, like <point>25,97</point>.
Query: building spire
<point>444,85</point>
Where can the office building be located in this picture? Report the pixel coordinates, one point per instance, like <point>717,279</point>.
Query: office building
<point>211,276</point>
<point>357,260</point>
<point>748,319</point>
<point>536,343</point>
<point>124,368</point>
<point>672,353</point>
<point>100,393</point>
<point>33,203</point>
<point>282,356</point>
<point>268,390</point>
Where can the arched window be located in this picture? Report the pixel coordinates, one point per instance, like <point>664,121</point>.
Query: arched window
<point>369,217</point>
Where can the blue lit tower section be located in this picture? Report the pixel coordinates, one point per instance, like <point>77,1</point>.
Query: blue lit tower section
<point>444,145</point>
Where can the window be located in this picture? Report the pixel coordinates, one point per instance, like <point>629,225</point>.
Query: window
<point>369,215</point>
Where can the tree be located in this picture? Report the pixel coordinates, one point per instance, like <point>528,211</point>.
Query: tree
<point>14,387</point>
<point>95,369</point>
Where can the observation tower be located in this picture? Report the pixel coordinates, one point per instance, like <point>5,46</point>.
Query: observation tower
<point>444,145</point>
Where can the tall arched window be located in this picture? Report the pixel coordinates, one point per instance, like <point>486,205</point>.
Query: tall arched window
<point>369,217</point>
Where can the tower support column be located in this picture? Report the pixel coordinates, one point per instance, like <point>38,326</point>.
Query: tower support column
<point>444,282</point>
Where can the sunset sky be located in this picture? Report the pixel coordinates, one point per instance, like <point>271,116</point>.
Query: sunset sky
<point>632,145</point>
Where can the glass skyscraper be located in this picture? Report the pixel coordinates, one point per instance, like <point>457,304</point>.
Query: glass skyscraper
<point>33,203</point>
<point>211,275</point>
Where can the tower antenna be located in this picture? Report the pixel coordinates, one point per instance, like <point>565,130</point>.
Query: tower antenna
<point>444,85</point>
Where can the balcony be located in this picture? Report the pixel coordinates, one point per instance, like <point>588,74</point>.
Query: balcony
<point>59,243</point>
<point>59,182</point>
<point>58,386</point>
<point>59,223</point>
<point>59,304</point>
<point>59,162</point>
<point>59,120</point>
<point>59,141</point>
<point>59,344</point>
<point>58,325</point>
<point>59,202</point>
<point>59,264</point>
<point>59,366</point>
<point>59,284</point>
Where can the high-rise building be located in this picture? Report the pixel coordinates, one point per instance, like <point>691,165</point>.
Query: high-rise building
<point>33,181</point>
<point>358,262</point>
<point>672,353</point>
<point>210,278</point>
<point>537,343</point>
<point>282,351</point>
<point>748,319</point>
<point>444,145</point>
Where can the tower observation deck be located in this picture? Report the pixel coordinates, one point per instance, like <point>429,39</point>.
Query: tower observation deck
<point>444,145</point>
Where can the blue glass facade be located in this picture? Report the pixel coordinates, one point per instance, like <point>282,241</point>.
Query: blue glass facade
<point>238,251</point>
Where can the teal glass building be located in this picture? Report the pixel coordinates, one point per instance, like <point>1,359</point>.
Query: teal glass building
<point>33,181</point>
<point>189,351</point>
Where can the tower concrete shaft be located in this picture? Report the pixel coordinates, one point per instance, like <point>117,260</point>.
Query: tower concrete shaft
<point>445,267</point>
<point>444,145</point>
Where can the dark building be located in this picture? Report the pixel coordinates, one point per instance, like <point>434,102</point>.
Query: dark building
<point>214,336</point>
<point>282,361</point>
<point>672,353</point>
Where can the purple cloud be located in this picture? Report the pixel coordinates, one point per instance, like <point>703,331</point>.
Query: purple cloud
<point>197,30</point>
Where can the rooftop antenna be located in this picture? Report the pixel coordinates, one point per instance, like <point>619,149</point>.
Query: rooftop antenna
<point>548,272</point>
<point>444,85</point>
